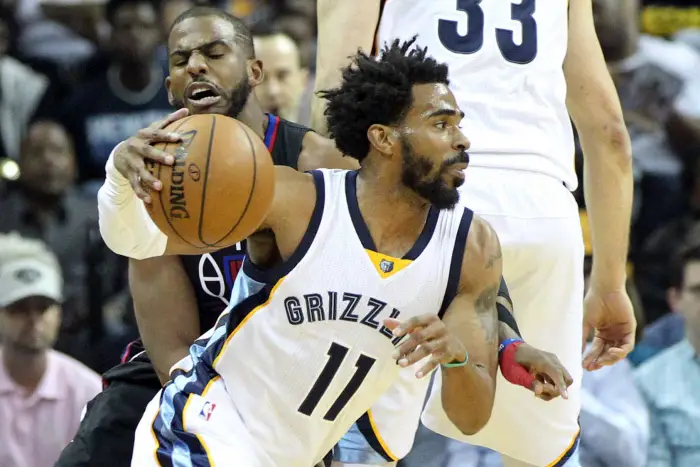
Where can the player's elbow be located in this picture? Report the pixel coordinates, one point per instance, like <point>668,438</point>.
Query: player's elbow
<point>606,137</point>
<point>469,423</point>
<point>471,412</point>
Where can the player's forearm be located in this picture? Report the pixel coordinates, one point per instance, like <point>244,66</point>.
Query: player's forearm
<point>595,108</point>
<point>467,396</point>
<point>125,225</point>
<point>343,28</point>
<point>166,310</point>
<point>608,188</point>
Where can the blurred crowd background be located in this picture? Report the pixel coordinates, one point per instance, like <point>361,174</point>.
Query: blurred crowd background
<point>79,76</point>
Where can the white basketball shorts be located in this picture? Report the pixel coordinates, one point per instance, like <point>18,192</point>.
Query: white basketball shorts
<point>537,221</point>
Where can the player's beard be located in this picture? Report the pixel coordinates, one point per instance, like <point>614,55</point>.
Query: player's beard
<point>237,98</point>
<point>416,176</point>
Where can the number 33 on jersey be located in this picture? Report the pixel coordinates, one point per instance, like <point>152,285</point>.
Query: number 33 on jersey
<point>505,60</point>
<point>521,51</point>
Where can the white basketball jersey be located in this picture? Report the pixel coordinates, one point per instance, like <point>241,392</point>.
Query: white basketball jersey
<point>505,61</point>
<point>303,351</point>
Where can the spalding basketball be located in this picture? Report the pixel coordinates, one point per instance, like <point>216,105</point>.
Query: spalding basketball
<point>220,187</point>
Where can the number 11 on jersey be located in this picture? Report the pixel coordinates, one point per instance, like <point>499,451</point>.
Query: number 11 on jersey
<point>473,41</point>
<point>336,357</point>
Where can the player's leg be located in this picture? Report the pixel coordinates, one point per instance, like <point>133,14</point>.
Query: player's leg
<point>106,433</point>
<point>198,430</point>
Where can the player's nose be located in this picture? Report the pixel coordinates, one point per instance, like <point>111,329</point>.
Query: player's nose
<point>196,65</point>
<point>461,142</point>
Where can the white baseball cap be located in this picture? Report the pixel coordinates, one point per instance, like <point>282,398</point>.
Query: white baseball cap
<point>28,277</point>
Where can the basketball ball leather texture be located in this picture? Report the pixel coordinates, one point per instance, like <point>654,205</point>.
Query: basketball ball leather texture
<point>220,187</point>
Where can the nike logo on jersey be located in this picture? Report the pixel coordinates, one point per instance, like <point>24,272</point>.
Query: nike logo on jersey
<point>345,306</point>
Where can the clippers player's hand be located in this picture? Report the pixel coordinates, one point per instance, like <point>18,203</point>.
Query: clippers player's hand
<point>129,156</point>
<point>427,337</point>
<point>611,317</point>
<point>551,379</point>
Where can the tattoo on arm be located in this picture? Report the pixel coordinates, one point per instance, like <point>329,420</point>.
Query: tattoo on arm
<point>486,309</point>
<point>493,257</point>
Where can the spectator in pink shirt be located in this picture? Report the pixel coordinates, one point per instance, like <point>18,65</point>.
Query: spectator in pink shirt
<point>42,392</point>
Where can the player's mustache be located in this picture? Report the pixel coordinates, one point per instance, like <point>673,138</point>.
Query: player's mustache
<point>460,158</point>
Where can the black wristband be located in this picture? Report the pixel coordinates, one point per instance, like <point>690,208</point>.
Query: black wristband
<point>504,306</point>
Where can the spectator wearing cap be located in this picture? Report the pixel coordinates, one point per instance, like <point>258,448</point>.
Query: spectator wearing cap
<point>42,392</point>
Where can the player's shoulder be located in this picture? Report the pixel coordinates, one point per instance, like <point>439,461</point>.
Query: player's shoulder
<point>319,152</point>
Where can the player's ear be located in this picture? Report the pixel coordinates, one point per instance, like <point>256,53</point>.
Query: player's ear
<point>255,72</point>
<point>383,138</point>
<point>171,100</point>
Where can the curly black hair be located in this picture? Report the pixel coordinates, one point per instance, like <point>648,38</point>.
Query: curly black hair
<point>377,91</point>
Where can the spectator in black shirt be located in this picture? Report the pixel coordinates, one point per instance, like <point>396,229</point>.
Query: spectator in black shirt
<point>124,98</point>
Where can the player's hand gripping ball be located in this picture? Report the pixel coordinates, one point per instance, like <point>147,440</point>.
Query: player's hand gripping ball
<point>220,186</point>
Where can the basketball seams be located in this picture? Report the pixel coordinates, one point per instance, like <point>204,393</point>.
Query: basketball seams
<point>206,179</point>
<point>160,193</point>
<point>252,186</point>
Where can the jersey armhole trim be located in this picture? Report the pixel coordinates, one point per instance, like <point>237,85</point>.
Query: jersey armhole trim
<point>275,273</point>
<point>456,261</point>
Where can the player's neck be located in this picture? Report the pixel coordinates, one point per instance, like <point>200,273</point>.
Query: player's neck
<point>25,369</point>
<point>390,210</point>
<point>253,116</point>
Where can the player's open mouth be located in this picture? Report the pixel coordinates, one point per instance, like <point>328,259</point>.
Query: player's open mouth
<point>202,95</point>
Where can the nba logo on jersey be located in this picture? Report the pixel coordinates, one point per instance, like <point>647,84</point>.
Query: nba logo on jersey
<point>386,266</point>
<point>207,410</point>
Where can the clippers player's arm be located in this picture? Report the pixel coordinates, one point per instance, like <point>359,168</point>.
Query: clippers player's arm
<point>343,28</point>
<point>595,108</point>
<point>127,228</point>
<point>166,310</point>
<point>468,391</point>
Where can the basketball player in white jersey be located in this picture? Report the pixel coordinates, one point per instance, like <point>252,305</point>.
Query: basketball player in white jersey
<point>380,275</point>
<point>518,69</point>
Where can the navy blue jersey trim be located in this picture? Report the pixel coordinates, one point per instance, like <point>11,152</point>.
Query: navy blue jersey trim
<point>456,261</point>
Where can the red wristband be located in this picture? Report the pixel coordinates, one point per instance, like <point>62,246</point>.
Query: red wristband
<point>511,370</point>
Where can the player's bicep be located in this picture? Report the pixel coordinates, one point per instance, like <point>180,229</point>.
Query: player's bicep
<point>592,99</point>
<point>472,314</point>
<point>295,196</point>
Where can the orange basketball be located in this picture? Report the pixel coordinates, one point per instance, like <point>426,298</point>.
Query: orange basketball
<point>220,187</point>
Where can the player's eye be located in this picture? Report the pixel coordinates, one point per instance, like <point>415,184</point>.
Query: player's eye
<point>441,125</point>
<point>215,56</point>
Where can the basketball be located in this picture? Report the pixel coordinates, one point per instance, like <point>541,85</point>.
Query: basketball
<point>219,188</point>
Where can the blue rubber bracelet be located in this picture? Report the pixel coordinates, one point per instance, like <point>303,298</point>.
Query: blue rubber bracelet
<point>507,342</point>
<point>457,364</point>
